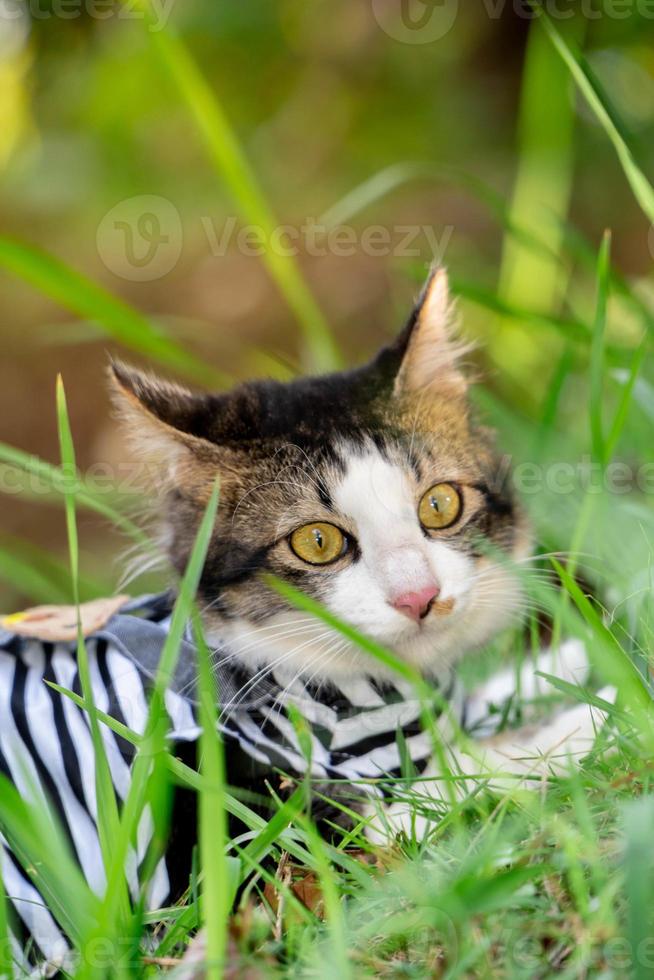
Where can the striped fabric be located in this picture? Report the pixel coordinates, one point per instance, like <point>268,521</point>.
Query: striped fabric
<point>46,749</point>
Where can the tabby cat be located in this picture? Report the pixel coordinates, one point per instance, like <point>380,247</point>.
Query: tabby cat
<point>375,492</point>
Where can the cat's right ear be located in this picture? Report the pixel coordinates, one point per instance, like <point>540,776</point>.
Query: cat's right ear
<point>162,420</point>
<point>429,347</point>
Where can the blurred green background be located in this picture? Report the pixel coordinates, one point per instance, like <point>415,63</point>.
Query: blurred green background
<point>416,129</point>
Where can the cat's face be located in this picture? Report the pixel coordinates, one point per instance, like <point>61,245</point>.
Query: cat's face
<point>371,491</point>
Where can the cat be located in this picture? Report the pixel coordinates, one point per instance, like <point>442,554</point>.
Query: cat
<point>373,491</point>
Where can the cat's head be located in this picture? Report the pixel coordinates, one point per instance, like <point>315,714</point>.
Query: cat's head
<point>371,490</point>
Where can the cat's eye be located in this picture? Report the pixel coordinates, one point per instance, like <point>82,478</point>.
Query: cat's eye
<point>440,507</point>
<point>318,544</point>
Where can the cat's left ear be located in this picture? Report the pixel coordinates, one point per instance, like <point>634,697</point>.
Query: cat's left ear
<point>163,422</point>
<point>430,351</point>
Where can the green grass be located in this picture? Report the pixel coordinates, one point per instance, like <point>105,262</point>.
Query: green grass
<point>506,884</point>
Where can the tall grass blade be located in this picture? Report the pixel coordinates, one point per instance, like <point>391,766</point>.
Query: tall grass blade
<point>638,861</point>
<point>40,576</point>
<point>234,168</point>
<point>52,480</point>
<point>597,350</point>
<point>628,389</point>
<point>39,845</point>
<point>588,86</point>
<point>26,577</point>
<point>612,661</point>
<point>544,178</point>
<point>150,765</point>
<point>6,957</point>
<point>216,892</point>
<point>92,302</point>
<point>338,964</point>
<point>106,804</point>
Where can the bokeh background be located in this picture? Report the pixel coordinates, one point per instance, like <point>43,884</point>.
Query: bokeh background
<point>452,127</point>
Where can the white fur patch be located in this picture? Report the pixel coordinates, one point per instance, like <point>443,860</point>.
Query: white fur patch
<point>381,498</point>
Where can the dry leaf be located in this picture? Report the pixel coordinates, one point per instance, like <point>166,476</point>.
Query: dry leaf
<point>58,624</point>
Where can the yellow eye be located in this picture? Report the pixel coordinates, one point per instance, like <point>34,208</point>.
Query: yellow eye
<point>440,507</point>
<point>318,544</point>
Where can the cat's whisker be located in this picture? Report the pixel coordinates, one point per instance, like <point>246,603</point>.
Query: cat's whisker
<point>275,637</point>
<point>252,681</point>
<point>293,445</point>
<point>139,565</point>
<point>274,626</point>
<point>264,672</point>
<point>324,660</point>
<point>236,653</point>
<point>261,487</point>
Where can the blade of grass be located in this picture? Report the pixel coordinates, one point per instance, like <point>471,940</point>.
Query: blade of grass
<point>257,849</point>
<point>597,439</point>
<point>39,575</point>
<point>39,845</point>
<point>61,483</point>
<point>612,661</point>
<point>152,750</point>
<point>638,864</point>
<point>6,958</point>
<point>216,896</point>
<point>582,695</point>
<point>597,351</point>
<point>581,250</point>
<point>553,398</point>
<point>588,86</point>
<point>106,803</point>
<point>333,903</point>
<point>571,328</point>
<point>622,412</point>
<point>543,180</point>
<point>385,181</point>
<point>92,302</point>
<point>378,652</point>
<point>234,168</point>
<point>26,577</point>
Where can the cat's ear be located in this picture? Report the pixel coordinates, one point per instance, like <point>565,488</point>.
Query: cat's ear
<point>162,421</point>
<point>430,351</point>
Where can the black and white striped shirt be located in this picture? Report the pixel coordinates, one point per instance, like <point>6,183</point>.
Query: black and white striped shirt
<point>46,749</point>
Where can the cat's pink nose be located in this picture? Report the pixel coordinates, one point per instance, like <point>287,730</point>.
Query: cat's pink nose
<point>416,605</point>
